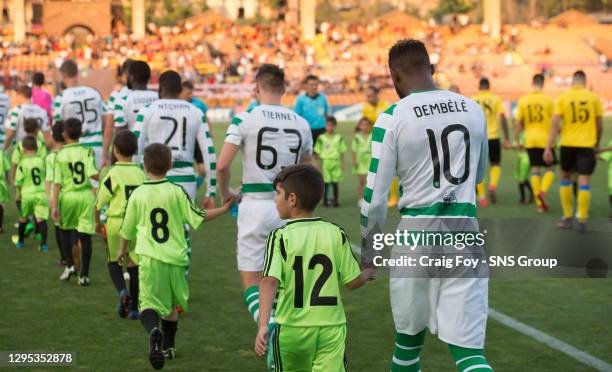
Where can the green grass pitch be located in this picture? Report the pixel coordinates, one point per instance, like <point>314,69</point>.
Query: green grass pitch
<point>41,313</point>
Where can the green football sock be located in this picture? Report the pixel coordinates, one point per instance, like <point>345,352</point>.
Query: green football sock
<point>472,360</point>
<point>406,353</point>
<point>251,299</point>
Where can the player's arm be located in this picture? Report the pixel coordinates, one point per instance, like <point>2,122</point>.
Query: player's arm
<point>231,146</point>
<point>128,226</point>
<point>140,130</point>
<point>555,127</point>
<point>10,128</point>
<point>504,124</point>
<point>213,213</point>
<point>268,286</point>
<point>384,155</point>
<point>57,108</point>
<point>306,155</point>
<point>104,195</point>
<point>207,149</point>
<point>18,179</point>
<point>348,267</point>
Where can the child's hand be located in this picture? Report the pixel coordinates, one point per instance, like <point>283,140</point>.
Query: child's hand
<point>99,228</point>
<point>231,199</point>
<point>208,202</point>
<point>121,255</point>
<point>261,340</point>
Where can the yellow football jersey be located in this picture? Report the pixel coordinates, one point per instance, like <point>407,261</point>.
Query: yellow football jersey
<point>492,106</point>
<point>535,110</point>
<point>579,109</point>
<point>371,112</point>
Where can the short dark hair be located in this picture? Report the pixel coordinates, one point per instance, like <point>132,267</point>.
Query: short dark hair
<point>30,125</point>
<point>311,77</point>
<point>538,79</point>
<point>157,159</point>
<point>139,72</point>
<point>125,66</point>
<point>170,82</point>
<point>579,76</point>
<point>374,88</point>
<point>408,54</point>
<point>187,84</point>
<point>73,128</point>
<point>25,91</point>
<point>38,79</point>
<point>303,180</point>
<point>332,120</point>
<point>271,78</point>
<point>57,131</point>
<point>69,68</point>
<point>484,83</point>
<point>126,143</point>
<point>29,143</point>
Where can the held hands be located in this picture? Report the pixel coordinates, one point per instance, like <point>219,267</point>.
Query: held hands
<point>261,340</point>
<point>507,144</point>
<point>229,200</point>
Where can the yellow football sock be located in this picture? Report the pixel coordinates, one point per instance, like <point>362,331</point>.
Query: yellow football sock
<point>535,186</point>
<point>566,193</point>
<point>481,190</point>
<point>584,201</point>
<point>495,174</point>
<point>547,181</point>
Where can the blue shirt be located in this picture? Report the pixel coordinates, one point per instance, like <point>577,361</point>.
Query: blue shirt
<point>314,109</point>
<point>199,104</point>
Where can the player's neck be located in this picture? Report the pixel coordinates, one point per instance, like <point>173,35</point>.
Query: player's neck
<point>71,82</point>
<point>71,141</point>
<point>269,99</point>
<point>139,86</point>
<point>296,214</point>
<point>123,159</point>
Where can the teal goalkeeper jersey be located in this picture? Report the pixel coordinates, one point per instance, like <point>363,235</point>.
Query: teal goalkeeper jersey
<point>311,258</point>
<point>155,216</point>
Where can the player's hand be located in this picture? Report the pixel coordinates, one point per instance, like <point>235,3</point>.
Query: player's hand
<point>121,255</point>
<point>548,155</point>
<point>55,215</point>
<point>208,202</point>
<point>261,340</point>
<point>507,144</point>
<point>99,228</point>
<point>229,200</point>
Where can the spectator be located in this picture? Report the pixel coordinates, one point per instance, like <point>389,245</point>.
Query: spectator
<point>40,97</point>
<point>313,106</point>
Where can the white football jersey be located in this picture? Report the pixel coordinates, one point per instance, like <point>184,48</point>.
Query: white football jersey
<point>435,142</point>
<point>25,111</point>
<point>5,105</point>
<point>271,138</point>
<point>182,127</point>
<point>115,94</point>
<point>85,104</point>
<point>127,107</point>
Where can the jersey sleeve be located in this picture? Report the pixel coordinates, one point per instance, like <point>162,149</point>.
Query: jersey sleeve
<point>598,107</point>
<point>13,119</point>
<point>6,165</point>
<point>92,170</point>
<point>192,215</point>
<point>342,145</point>
<point>273,260</point>
<point>17,154</point>
<point>19,176</point>
<point>307,145</point>
<point>57,171</point>
<point>326,106</point>
<point>118,110</point>
<point>348,267</point>
<point>49,168</point>
<point>381,173</point>
<point>105,191</point>
<point>57,108</point>
<point>234,134</point>
<point>140,130</point>
<point>206,147</point>
<point>318,146</point>
<point>130,219</point>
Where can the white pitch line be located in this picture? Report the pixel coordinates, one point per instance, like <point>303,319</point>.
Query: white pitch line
<point>544,338</point>
<point>550,341</point>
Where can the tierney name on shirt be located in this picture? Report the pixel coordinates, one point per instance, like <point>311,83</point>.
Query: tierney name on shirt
<point>440,108</point>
